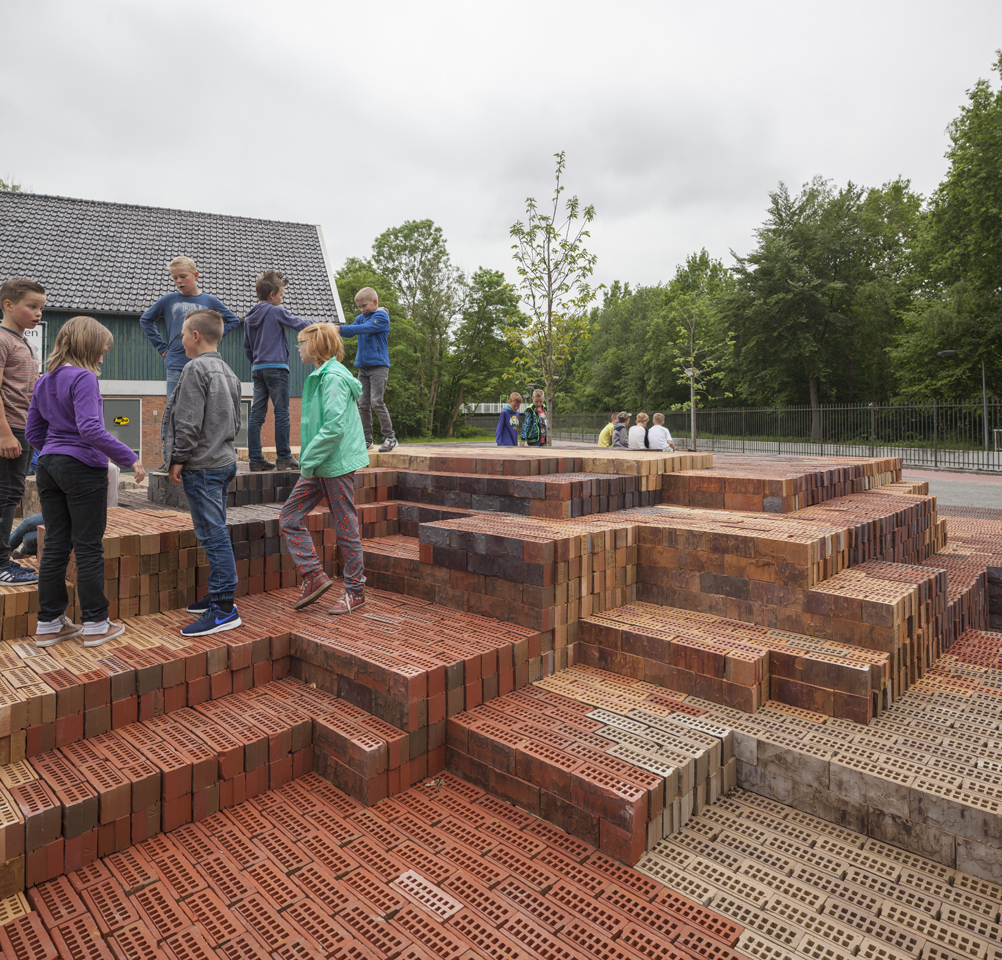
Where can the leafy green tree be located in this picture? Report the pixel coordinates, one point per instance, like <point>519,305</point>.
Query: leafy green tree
<point>480,356</point>
<point>405,406</point>
<point>414,258</point>
<point>554,268</point>
<point>959,259</point>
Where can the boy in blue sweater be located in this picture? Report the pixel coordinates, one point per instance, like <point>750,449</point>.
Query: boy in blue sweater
<point>172,308</point>
<point>267,348</point>
<point>373,361</point>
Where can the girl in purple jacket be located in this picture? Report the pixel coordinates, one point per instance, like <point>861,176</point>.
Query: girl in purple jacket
<point>66,423</point>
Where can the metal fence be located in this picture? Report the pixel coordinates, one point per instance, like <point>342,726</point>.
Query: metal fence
<point>959,435</point>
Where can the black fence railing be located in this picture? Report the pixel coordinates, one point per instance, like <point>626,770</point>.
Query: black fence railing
<point>961,435</point>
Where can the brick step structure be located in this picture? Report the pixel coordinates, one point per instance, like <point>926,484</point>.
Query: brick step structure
<point>801,886</point>
<point>270,486</point>
<point>924,776</point>
<point>738,664</point>
<point>778,486</point>
<point>619,780</point>
<point>443,870</point>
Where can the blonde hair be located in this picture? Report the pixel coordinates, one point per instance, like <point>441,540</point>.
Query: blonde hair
<point>538,394</point>
<point>516,397</point>
<point>323,341</point>
<point>182,263</point>
<point>209,323</point>
<point>366,293</point>
<point>80,342</point>
<point>659,418</point>
<point>642,418</point>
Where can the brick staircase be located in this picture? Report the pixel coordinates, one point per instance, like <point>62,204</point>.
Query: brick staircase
<point>580,656</point>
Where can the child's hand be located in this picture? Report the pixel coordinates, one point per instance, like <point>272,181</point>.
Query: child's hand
<point>174,474</point>
<point>10,447</point>
<point>140,472</point>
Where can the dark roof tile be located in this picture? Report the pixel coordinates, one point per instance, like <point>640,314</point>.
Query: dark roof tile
<point>91,255</point>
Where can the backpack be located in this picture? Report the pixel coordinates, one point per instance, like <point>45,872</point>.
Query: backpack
<point>530,427</point>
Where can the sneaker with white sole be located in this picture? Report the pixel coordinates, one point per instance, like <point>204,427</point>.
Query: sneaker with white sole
<point>212,621</point>
<point>109,633</point>
<point>68,631</point>
<point>14,573</point>
<point>388,445</point>
<point>314,587</point>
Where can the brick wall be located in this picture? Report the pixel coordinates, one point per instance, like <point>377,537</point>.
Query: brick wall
<point>153,408</point>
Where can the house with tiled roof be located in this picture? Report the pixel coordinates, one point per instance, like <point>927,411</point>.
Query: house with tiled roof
<point>109,261</point>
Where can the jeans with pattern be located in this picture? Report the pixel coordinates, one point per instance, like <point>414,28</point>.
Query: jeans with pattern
<point>340,495</point>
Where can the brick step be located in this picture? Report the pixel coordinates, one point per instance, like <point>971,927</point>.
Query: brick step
<point>442,870</point>
<point>781,486</point>
<point>925,776</point>
<point>620,776</point>
<point>551,496</point>
<point>270,486</point>
<point>734,663</point>
<point>803,886</point>
<point>524,462</point>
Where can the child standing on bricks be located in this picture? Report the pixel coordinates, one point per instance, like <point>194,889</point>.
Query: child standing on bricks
<point>333,447</point>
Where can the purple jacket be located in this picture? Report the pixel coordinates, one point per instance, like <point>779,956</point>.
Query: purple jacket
<point>66,416</point>
<point>265,342</point>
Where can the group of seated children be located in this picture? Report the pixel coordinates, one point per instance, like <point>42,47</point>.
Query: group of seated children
<point>618,433</point>
<point>61,415</point>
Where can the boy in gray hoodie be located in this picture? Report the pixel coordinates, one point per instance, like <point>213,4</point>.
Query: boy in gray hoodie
<point>199,425</point>
<point>267,348</point>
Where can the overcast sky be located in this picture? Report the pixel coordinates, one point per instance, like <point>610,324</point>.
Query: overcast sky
<point>677,118</point>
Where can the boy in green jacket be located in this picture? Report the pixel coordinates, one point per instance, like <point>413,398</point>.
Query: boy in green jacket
<point>332,448</point>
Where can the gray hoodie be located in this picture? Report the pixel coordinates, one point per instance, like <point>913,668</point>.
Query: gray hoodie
<point>202,416</point>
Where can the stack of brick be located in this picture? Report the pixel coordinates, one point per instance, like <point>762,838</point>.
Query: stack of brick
<point>738,664</point>
<point>63,809</point>
<point>18,610</point>
<point>274,486</point>
<point>444,870</point>
<point>975,548</point>
<point>552,496</point>
<point>620,780</point>
<point>780,487</point>
<point>378,519</point>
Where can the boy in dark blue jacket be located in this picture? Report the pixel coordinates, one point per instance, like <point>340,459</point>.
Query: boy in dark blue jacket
<point>172,308</point>
<point>373,361</point>
<point>267,348</point>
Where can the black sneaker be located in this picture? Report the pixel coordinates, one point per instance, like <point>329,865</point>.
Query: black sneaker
<point>200,606</point>
<point>212,621</point>
<point>388,445</point>
<point>257,465</point>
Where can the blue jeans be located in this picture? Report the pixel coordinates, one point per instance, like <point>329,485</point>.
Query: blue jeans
<point>172,378</point>
<point>26,535</point>
<point>206,492</point>
<point>272,382</point>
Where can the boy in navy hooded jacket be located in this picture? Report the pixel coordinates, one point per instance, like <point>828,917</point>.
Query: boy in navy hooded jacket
<point>372,327</point>
<point>267,348</point>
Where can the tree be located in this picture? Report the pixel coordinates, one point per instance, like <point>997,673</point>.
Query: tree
<point>481,357</point>
<point>688,342</point>
<point>554,269</point>
<point>959,260</point>
<point>414,258</point>
<point>9,186</point>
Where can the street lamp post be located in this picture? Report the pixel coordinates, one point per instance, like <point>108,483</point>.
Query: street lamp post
<point>984,389</point>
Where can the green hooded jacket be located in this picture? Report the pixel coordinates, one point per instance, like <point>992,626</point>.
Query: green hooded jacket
<point>331,438</point>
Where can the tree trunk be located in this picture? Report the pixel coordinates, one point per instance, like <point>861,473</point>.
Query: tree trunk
<point>455,412</point>
<point>815,409</point>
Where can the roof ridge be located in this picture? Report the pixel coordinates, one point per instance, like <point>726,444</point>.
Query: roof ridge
<point>146,206</point>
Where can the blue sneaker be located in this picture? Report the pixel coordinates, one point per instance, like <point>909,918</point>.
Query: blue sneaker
<point>14,573</point>
<point>212,621</point>
<point>200,606</point>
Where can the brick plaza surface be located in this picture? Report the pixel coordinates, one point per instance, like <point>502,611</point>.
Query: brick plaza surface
<point>617,672</point>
